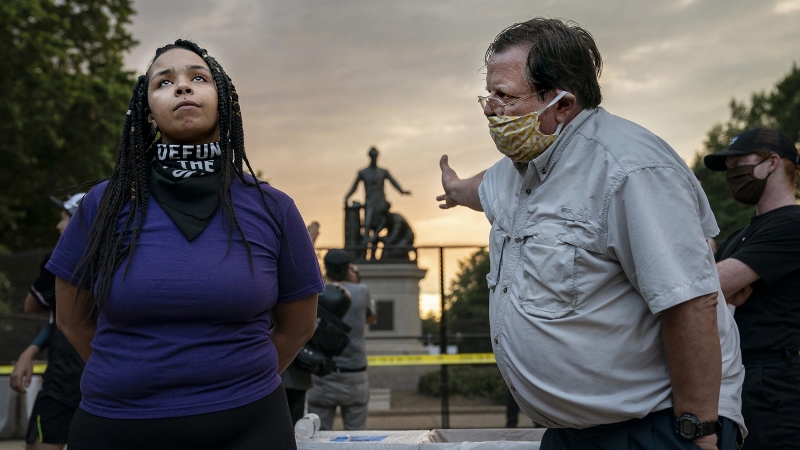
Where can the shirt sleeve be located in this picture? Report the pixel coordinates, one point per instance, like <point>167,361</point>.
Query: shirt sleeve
<point>44,288</point>
<point>774,252</point>
<point>298,269</point>
<point>655,232</point>
<point>69,249</point>
<point>488,189</point>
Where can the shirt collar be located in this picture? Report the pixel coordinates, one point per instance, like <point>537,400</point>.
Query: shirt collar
<point>543,163</point>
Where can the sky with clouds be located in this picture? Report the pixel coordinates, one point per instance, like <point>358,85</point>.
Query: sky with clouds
<point>321,81</point>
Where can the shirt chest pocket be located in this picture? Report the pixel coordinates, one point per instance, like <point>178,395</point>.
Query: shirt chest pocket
<point>498,238</point>
<point>554,258</point>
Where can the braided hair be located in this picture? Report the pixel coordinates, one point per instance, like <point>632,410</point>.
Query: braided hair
<point>105,249</point>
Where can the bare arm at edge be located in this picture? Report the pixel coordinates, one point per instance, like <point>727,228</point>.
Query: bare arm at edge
<point>735,278</point>
<point>457,191</point>
<point>694,359</point>
<point>21,375</point>
<point>294,325</point>
<point>33,307</point>
<point>73,318</point>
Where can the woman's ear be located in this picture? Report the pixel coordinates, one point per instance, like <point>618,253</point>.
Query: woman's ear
<point>150,118</point>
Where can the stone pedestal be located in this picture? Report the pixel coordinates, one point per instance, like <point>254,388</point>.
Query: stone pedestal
<point>395,289</point>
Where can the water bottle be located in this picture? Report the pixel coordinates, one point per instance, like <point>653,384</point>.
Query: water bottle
<point>307,426</point>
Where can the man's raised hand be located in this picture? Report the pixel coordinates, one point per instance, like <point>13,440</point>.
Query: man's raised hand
<point>457,191</point>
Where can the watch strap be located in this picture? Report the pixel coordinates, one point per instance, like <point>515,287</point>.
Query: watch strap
<point>707,428</point>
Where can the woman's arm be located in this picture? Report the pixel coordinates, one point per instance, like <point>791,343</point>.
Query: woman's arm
<point>74,318</point>
<point>294,325</point>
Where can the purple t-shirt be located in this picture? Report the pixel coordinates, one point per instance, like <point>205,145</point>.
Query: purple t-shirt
<point>187,331</point>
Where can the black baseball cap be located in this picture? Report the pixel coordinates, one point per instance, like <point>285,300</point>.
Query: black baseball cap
<point>337,257</point>
<point>751,141</point>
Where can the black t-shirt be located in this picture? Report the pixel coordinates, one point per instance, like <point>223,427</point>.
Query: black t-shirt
<point>770,245</point>
<point>62,380</point>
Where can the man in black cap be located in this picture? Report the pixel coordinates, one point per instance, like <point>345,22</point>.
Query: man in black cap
<point>347,386</point>
<point>759,270</point>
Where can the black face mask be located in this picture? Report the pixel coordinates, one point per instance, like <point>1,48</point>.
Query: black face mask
<point>744,185</point>
<point>185,180</point>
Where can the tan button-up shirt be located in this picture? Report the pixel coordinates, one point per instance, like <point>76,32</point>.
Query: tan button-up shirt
<point>590,242</point>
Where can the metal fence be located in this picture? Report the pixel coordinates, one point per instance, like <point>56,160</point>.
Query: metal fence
<point>411,387</point>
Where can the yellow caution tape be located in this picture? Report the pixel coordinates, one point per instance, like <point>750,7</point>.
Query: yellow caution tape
<point>430,360</point>
<point>38,369</point>
<point>376,361</point>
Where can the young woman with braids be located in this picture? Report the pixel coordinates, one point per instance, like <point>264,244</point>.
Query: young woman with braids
<point>186,284</point>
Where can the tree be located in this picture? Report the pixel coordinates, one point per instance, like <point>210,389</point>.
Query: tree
<point>780,109</point>
<point>469,296</point>
<point>63,97</point>
<point>467,305</point>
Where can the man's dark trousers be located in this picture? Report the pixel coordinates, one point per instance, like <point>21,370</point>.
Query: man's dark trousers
<point>656,431</point>
<point>771,401</point>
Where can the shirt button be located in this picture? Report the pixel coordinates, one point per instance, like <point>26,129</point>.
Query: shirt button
<point>505,289</point>
<point>544,171</point>
<point>518,239</point>
<point>528,191</point>
<point>496,341</point>
<point>513,389</point>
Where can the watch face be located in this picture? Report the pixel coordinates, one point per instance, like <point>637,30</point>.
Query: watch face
<point>686,428</point>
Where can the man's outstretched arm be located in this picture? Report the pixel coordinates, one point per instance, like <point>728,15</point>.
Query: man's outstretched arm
<point>458,191</point>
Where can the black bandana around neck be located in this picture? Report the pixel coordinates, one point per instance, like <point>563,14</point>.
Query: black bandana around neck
<point>185,180</point>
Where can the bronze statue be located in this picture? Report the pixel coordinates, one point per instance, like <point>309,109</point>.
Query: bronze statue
<point>376,216</point>
<point>399,238</point>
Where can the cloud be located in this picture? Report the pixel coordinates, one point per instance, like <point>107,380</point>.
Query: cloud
<point>641,51</point>
<point>320,82</point>
<point>787,6</point>
<point>619,81</point>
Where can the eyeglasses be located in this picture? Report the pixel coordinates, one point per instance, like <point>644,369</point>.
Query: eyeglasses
<point>498,107</point>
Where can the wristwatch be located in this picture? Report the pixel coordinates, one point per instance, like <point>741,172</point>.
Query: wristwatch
<point>689,427</point>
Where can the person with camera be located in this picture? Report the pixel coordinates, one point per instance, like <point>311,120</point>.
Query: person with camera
<point>346,386</point>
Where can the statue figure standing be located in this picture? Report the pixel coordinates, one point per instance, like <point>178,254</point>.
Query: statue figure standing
<point>376,207</point>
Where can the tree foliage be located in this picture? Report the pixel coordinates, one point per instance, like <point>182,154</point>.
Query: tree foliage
<point>469,296</point>
<point>473,381</point>
<point>63,97</point>
<point>467,305</point>
<point>780,109</point>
